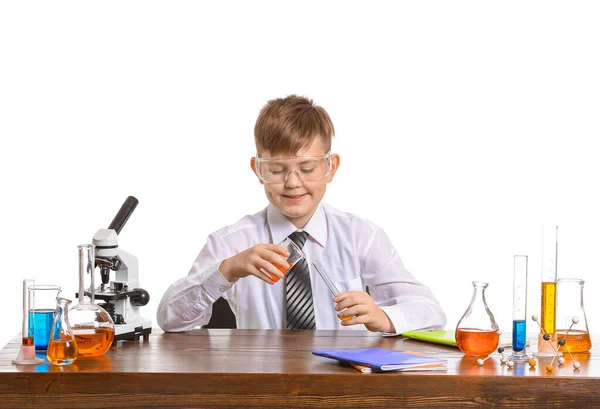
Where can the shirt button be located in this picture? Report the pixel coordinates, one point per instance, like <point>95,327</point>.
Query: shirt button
<point>222,289</point>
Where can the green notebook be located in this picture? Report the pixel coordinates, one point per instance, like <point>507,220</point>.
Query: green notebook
<point>447,337</point>
<point>436,337</point>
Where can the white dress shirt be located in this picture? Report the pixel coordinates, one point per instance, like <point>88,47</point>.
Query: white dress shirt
<point>355,252</point>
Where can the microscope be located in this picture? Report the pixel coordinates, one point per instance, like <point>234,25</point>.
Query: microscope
<point>122,297</point>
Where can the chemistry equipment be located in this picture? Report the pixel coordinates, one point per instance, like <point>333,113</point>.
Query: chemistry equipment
<point>27,351</point>
<point>92,326</point>
<point>296,255</point>
<point>62,348</point>
<point>330,284</point>
<point>43,299</point>
<point>571,322</point>
<point>549,275</point>
<point>519,330</point>
<point>477,333</point>
<point>122,297</point>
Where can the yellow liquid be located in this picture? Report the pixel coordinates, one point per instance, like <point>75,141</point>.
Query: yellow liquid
<point>577,341</point>
<point>62,352</point>
<point>548,320</point>
<point>93,341</point>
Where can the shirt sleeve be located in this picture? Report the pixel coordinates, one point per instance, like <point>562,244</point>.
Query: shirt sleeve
<point>409,304</point>
<point>188,302</point>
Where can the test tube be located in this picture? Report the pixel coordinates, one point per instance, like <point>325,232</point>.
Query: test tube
<point>519,330</point>
<point>26,334</point>
<point>549,274</point>
<point>26,354</point>
<point>330,284</point>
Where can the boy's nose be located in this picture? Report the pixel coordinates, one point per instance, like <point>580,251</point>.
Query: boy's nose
<point>292,179</point>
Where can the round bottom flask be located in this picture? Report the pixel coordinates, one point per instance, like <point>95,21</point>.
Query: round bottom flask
<point>93,327</point>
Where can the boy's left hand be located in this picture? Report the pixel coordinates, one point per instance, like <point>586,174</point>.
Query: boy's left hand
<point>360,305</point>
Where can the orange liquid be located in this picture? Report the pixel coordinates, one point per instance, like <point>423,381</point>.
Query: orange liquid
<point>476,342</point>
<point>577,341</point>
<point>27,341</point>
<point>62,352</point>
<point>349,317</point>
<point>280,268</point>
<point>93,341</point>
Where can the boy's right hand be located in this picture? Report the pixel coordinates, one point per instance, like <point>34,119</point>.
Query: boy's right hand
<point>252,260</point>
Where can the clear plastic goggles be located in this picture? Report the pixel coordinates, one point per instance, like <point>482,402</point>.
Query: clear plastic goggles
<point>306,168</point>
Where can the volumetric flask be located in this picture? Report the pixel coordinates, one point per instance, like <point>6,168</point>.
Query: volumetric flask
<point>477,331</point>
<point>571,323</point>
<point>41,315</point>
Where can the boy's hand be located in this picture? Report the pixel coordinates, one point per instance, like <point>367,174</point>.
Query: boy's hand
<point>362,307</point>
<point>252,260</point>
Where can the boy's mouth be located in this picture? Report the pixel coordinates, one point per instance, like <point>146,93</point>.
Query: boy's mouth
<point>294,198</point>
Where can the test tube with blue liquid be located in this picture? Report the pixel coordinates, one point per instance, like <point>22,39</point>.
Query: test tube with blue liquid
<point>519,329</point>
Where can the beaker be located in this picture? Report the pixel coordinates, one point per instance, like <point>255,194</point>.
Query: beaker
<point>571,323</point>
<point>296,255</point>
<point>43,301</point>
<point>62,349</point>
<point>92,326</point>
<point>477,331</point>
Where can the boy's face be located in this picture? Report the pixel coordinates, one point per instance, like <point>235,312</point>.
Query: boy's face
<point>295,199</point>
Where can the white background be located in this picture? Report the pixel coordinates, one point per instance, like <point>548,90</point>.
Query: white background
<point>463,126</point>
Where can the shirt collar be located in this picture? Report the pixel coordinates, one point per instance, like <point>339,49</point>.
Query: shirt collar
<point>281,226</point>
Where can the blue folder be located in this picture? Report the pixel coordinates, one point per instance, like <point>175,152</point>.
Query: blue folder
<point>379,359</point>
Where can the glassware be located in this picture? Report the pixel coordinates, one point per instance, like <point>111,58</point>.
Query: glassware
<point>41,314</point>
<point>549,274</point>
<point>570,316</point>
<point>519,330</point>
<point>296,255</point>
<point>331,285</point>
<point>62,348</point>
<point>27,351</point>
<point>93,327</point>
<point>477,331</point>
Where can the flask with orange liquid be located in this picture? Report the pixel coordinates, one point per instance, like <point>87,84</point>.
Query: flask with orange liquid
<point>93,327</point>
<point>569,305</point>
<point>477,331</point>
<point>62,349</point>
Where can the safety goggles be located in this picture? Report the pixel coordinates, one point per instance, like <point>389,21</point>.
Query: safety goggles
<point>306,168</point>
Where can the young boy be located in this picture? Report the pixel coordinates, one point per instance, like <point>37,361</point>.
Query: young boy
<point>294,163</point>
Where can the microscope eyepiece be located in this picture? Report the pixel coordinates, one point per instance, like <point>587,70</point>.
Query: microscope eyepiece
<point>121,218</point>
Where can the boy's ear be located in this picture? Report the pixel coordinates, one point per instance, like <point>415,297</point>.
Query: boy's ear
<point>253,166</point>
<point>335,164</point>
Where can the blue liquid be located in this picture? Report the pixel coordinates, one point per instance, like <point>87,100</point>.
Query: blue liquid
<point>40,323</point>
<point>519,335</point>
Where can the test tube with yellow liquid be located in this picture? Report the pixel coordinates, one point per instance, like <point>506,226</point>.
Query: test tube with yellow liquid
<point>549,277</point>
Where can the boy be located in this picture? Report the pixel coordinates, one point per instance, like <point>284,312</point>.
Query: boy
<point>294,163</point>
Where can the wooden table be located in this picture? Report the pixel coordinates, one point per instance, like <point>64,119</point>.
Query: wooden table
<point>273,368</point>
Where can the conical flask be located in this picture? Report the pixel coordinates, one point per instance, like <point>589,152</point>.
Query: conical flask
<point>477,331</point>
<point>93,327</point>
<point>62,349</point>
<point>571,323</point>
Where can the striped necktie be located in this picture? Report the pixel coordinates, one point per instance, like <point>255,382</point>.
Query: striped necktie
<point>298,294</point>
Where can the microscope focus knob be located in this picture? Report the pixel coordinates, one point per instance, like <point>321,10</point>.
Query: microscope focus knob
<point>140,298</point>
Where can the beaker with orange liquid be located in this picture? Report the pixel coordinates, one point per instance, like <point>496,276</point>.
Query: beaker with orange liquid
<point>477,331</point>
<point>571,323</point>
<point>296,255</point>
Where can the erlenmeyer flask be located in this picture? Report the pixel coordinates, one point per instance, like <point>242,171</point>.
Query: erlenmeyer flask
<point>477,331</point>
<point>93,327</point>
<point>62,349</point>
<point>571,323</point>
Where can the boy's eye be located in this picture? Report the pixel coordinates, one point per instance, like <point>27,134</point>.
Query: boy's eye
<point>307,170</point>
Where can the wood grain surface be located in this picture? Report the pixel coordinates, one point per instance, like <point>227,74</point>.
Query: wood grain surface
<point>275,368</point>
